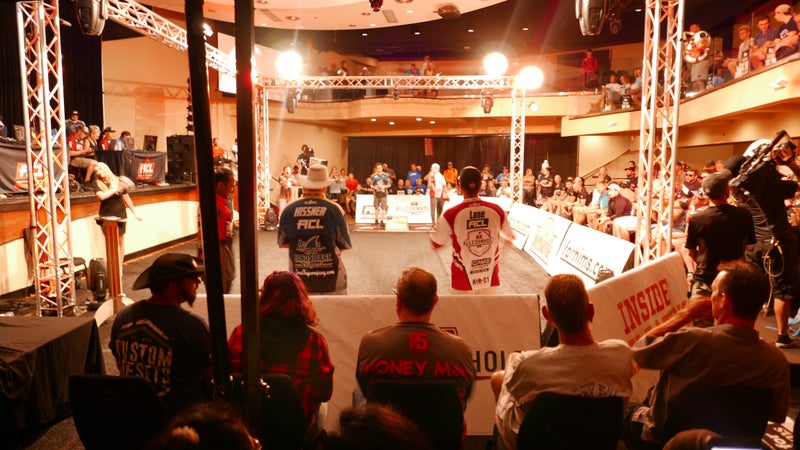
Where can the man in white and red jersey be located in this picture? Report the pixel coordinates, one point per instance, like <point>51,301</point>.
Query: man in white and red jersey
<point>475,228</point>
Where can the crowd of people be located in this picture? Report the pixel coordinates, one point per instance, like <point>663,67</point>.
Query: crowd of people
<point>704,67</point>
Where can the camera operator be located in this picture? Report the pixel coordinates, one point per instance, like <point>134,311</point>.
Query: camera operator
<point>763,191</point>
<point>304,158</point>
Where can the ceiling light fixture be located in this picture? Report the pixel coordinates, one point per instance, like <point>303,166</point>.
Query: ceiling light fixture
<point>416,31</point>
<point>365,33</point>
<point>292,18</point>
<point>432,122</point>
<point>391,122</point>
<point>373,119</point>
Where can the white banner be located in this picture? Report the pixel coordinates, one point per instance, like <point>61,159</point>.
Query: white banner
<point>546,233</point>
<point>628,305</point>
<point>494,326</point>
<point>585,252</point>
<point>521,219</point>
<point>415,208</point>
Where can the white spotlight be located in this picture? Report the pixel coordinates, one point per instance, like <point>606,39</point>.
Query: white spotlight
<point>530,77</point>
<point>289,64</point>
<point>495,64</point>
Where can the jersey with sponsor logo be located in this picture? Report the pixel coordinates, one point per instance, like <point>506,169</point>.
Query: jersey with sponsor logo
<point>474,227</point>
<point>415,351</point>
<point>315,231</point>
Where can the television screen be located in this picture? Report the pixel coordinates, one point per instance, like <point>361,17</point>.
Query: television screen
<point>150,143</point>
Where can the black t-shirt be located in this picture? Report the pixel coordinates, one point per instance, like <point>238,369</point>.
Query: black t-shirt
<point>719,234</point>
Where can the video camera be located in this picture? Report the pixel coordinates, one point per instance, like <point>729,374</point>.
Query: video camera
<point>760,163</point>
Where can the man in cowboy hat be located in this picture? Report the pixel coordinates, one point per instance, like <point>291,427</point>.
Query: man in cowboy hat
<point>159,340</point>
<point>315,231</point>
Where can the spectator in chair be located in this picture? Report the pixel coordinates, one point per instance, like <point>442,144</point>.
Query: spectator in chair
<point>291,345</point>
<point>579,366</point>
<point>729,353</point>
<point>414,339</point>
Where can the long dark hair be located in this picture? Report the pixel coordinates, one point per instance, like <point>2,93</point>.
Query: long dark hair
<point>284,296</point>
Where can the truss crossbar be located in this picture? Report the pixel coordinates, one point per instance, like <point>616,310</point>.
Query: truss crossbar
<point>391,82</point>
<point>45,143</point>
<point>659,132</point>
<point>143,20</point>
<point>517,142</point>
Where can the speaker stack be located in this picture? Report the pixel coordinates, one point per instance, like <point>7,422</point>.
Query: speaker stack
<point>181,166</point>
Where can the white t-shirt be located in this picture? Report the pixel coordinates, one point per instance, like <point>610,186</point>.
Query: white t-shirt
<point>603,369</point>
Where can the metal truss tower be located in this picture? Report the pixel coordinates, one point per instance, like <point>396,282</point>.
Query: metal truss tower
<point>661,91</point>
<point>47,157</point>
<point>517,141</point>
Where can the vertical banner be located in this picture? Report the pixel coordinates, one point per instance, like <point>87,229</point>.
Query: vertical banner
<point>428,146</point>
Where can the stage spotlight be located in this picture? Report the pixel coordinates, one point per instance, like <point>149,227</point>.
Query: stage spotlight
<point>495,64</point>
<point>590,15</point>
<point>289,64</point>
<point>207,30</point>
<point>530,77</point>
<point>487,100</point>
<point>376,5</point>
<point>92,15</point>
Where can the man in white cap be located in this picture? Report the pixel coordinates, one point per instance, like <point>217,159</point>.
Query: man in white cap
<point>158,339</point>
<point>786,43</point>
<point>314,230</point>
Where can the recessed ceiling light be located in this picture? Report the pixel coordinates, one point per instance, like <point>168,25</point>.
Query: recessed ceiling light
<point>470,30</point>
<point>372,25</point>
<point>417,32</point>
<point>373,120</point>
<point>409,11</point>
<point>263,24</point>
<point>292,18</point>
<point>365,34</point>
<point>524,28</point>
<point>366,14</point>
<point>419,119</point>
<point>391,122</point>
<point>432,122</point>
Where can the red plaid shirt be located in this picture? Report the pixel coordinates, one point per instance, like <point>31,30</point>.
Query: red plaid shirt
<point>311,371</point>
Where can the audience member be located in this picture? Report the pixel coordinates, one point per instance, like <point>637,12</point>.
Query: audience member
<point>389,171</point>
<point>618,206</point>
<point>291,345</point>
<point>304,159</point>
<point>420,188</point>
<point>206,426</point>
<point>474,228</point>
<point>589,66</point>
<point>763,41</point>
<point>343,70</point>
<point>375,426</point>
<point>717,234</point>
<point>73,124</point>
<point>413,71</point>
<point>707,356</point>
<point>181,374</point>
<point>544,183</point>
<point>415,342</point>
<point>529,187</point>
<point>786,42</point>
<point>613,92</point>
<point>315,231</point>
<point>579,366</point>
<point>107,139</point>
<point>286,181</point>
<point>719,77</point>
<point>691,183</point>
<point>451,174</point>
<point>81,156</point>
<point>414,173</point>
<point>225,183</point>
<point>741,65</point>
<point>488,176</point>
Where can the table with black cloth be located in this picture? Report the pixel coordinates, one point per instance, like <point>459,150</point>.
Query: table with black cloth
<point>115,160</point>
<point>145,167</point>
<point>37,357</point>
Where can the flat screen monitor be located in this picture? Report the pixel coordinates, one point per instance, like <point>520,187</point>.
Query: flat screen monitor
<point>150,143</point>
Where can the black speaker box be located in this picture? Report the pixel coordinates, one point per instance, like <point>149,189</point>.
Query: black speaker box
<point>181,165</point>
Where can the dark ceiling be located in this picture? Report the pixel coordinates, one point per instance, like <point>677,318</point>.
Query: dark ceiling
<point>551,24</point>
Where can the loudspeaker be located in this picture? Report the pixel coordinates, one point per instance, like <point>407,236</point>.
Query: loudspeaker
<point>98,281</point>
<point>590,15</point>
<point>181,164</point>
<point>92,15</point>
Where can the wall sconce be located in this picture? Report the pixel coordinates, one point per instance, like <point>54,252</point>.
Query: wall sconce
<point>487,100</point>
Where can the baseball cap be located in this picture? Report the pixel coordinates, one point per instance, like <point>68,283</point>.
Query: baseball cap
<point>546,164</point>
<point>317,177</point>
<point>470,178</point>
<point>714,185</point>
<point>109,130</point>
<point>74,112</point>
<point>614,186</point>
<point>784,8</point>
<point>168,267</point>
